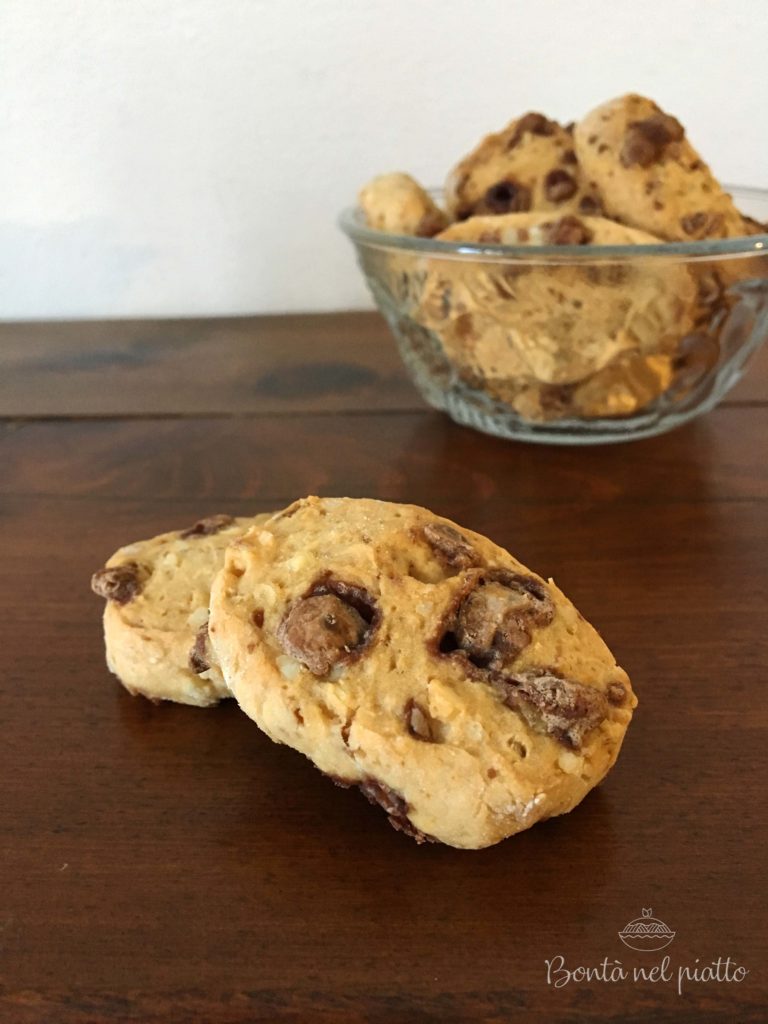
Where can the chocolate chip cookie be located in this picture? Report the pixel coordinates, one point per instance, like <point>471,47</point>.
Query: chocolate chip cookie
<point>420,662</point>
<point>650,176</point>
<point>529,165</point>
<point>397,203</point>
<point>156,615</point>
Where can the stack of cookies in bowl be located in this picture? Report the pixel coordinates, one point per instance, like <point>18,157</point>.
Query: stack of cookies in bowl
<point>402,654</point>
<point>571,279</point>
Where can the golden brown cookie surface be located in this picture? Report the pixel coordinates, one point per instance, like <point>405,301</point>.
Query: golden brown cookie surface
<point>421,662</point>
<point>396,203</point>
<point>156,615</point>
<point>529,165</point>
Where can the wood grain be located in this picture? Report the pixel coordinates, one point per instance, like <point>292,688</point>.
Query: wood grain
<point>277,364</point>
<point>163,864</point>
<point>340,361</point>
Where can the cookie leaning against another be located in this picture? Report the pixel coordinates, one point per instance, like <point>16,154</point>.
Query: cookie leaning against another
<point>649,174</point>
<point>420,662</point>
<point>155,619</point>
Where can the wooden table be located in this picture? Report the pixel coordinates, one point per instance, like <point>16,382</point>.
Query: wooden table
<point>167,864</point>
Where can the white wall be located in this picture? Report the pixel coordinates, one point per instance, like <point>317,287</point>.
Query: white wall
<point>190,156</point>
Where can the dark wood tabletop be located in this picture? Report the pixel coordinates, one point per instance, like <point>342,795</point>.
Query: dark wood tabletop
<point>166,864</point>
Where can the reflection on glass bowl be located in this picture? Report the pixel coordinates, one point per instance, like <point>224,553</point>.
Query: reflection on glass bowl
<point>571,344</point>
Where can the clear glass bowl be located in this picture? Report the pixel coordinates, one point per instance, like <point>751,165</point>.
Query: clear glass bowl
<point>571,344</point>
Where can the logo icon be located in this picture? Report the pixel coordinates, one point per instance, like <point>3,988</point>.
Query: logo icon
<point>646,933</point>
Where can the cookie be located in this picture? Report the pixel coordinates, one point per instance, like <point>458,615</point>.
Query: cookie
<point>541,228</point>
<point>529,334</point>
<point>420,662</point>
<point>630,383</point>
<point>397,204</point>
<point>650,176</point>
<point>530,165</point>
<point>155,619</point>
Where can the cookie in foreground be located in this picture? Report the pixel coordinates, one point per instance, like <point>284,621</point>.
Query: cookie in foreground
<point>420,662</point>
<point>155,619</point>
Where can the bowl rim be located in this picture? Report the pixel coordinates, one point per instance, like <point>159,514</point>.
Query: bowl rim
<point>350,222</point>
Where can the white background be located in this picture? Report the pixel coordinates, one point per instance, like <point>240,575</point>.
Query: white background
<point>190,156</point>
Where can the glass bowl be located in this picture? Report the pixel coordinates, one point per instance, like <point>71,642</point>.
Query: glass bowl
<point>571,344</point>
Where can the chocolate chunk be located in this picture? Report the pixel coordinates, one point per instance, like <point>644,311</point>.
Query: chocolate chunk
<point>556,398</point>
<point>505,197</point>
<point>491,624</point>
<point>395,807</point>
<point>205,527</point>
<point>701,224</point>
<point>332,623</point>
<point>559,185</point>
<point>569,157</point>
<point>430,224</point>
<point>198,656</point>
<point>638,148</point>
<point>494,619</point>
<point>464,326</point>
<point>559,707</point>
<point>534,123</point>
<point>452,547</point>
<point>321,631</point>
<point>663,128</point>
<point>120,584</point>
<point>590,206</point>
<point>692,223</point>
<point>567,231</point>
<point>645,141</point>
<point>420,723</point>
<point>352,594</point>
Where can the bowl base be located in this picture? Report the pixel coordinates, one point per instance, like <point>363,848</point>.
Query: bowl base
<point>439,384</point>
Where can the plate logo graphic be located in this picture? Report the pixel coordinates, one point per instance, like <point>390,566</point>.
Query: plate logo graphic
<point>646,933</point>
